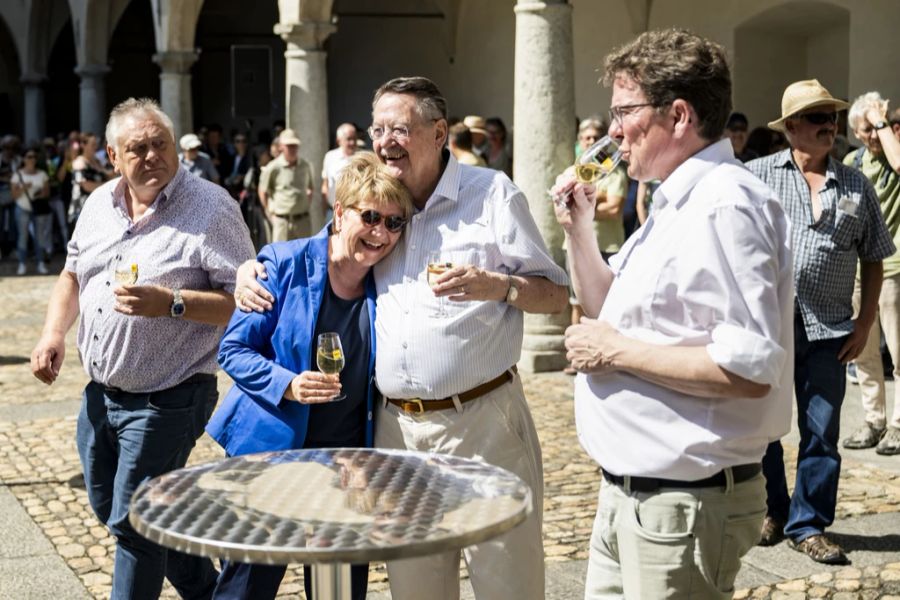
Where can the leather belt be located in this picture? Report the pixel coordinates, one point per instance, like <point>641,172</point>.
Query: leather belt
<point>291,217</point>
<point>419,406</point>
<point>739,473</point>
<point>195,378</point>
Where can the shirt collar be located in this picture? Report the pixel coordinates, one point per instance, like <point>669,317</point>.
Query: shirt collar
<point>448,184</point>
<point>677,186</point>
<point>118,196</point>
<point>785,159</point>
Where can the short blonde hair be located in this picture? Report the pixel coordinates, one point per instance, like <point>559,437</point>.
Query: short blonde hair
<point>364,177</point>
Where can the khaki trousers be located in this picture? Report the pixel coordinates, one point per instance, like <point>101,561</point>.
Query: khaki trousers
<point>869,368</point>
<point>674,543</point>
<point>498,429</point>
<point>290,228</point>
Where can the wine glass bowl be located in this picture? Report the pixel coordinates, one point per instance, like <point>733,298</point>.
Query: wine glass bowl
<point>330,356</point>
<point>595,163</point>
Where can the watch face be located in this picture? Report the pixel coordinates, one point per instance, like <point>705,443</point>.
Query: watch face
<point>177,309</point>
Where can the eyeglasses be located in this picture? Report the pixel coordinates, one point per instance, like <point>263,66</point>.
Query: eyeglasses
<point>617,113</point>
<point>819,118</point>
<point>371,218</point>
<point>399,132</point>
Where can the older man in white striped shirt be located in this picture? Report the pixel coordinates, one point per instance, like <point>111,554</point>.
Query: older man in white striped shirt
<point>446,352</point>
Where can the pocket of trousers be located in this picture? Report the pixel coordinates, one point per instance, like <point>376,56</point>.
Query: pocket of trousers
<point>739,535</point>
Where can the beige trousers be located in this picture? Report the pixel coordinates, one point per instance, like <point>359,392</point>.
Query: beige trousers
<point>675,543</point>
<point>869,368</point>
<point>498,429</point>
<point>284,229</point>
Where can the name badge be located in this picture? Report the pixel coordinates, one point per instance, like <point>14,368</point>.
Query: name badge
<point>848,205</point>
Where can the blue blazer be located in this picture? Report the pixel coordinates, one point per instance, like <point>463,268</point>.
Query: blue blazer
<point>263,352</point>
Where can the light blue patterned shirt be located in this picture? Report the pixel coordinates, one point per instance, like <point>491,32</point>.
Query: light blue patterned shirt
<point>851,227</point>
<point>475,216</point>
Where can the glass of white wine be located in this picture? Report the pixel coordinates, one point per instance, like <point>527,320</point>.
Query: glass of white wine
<point>594,164</point>
<point>125,271</point>
<point>330,356</point>
<point>436,266</point>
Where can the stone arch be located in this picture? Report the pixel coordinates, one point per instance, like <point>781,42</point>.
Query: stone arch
<point>795,40</point>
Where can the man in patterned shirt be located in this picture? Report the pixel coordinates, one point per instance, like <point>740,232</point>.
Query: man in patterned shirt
<point>835,220</point>
<point>150,272</point>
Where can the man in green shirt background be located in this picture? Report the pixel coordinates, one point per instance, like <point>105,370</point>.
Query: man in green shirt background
<point>285,190</point>
<point>879,160</point>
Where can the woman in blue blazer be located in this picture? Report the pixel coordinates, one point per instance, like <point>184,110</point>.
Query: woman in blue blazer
<point>279,401</point>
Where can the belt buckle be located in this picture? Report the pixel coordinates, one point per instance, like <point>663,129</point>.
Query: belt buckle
<point>409,405</point>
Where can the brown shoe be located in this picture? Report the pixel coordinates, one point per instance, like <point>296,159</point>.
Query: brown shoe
<point>821,549</point>
<point>772,531</point>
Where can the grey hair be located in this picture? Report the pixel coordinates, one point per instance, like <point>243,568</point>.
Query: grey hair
<point>430,103</point>
<point>344,127</point>
<point>857,114</point>
<point>131,107</point>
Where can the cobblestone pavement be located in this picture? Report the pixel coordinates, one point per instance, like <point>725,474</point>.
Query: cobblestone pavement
<point>39,465</point>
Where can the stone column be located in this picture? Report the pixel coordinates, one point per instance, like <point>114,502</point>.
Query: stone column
<point>544,143</point>
<point>175,87</point>
<point>92,97</point>
<point>306,88</point>
<point>35,108</point>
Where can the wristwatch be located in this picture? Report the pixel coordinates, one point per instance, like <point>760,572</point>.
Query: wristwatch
<point>512,292</point>
<point>177,309</point>
<point>880,125</point>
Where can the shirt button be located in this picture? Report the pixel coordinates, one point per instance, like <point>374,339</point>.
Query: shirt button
<point>405,345</point>
<point>100,310</point>
<point>107,284</point>
<point>96,337</point>
<point>405,311</point>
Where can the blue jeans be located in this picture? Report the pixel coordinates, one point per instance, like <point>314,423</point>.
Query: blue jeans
<point>42,225</point>
<point>819,383</point>
<point>124,439</point>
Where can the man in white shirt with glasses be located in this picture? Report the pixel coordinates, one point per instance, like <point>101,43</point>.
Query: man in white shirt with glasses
<point>686,360</point>
<point>446,354</point>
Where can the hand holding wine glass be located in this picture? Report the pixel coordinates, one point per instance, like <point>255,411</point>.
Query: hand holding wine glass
<point>330,356</point>
<point>594,164</point>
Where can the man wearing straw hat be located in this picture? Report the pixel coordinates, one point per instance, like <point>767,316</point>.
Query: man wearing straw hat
<point>835,221</point>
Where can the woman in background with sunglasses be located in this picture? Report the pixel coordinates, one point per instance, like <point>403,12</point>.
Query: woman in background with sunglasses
<point>319,284</point>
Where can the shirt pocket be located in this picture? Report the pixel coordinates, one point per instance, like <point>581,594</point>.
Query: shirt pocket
<point>846,230</point>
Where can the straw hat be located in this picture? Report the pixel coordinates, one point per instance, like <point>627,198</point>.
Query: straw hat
<point>801,95</point>
<point>476,124</point>
<point>288,138</point>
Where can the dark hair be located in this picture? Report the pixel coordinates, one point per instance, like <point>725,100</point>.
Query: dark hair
<point>498,123</point>
<point>760,141</point>
<point>737,118</point>
<point>461,137</point>
<point>430,101</point>
<point>675,63</point>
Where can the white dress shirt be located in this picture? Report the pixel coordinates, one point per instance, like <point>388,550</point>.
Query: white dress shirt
<point>476,216</point>
<point>711,267</point>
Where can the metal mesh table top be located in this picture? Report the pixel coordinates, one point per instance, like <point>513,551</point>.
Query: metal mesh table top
<point>337,505</point>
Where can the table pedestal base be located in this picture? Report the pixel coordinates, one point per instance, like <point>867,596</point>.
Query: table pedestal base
<point>331,581</point>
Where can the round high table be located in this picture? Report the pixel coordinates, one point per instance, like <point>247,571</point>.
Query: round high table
<point>329,508</point>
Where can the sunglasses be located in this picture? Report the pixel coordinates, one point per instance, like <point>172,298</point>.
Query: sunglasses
<point>371,218</point>
<point>30,156</point>
<point>819,118</point>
